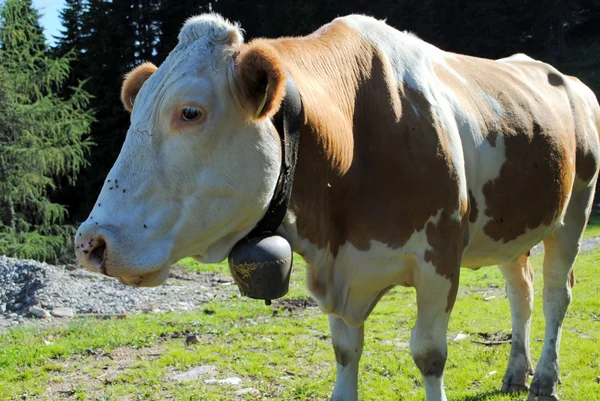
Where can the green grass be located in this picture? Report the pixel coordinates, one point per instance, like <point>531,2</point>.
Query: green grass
<point>287,355</point>
<point>593,227</point>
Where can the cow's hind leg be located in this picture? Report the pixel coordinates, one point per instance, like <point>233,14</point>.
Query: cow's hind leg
<point>348,346</point>
<point>519,288</point>
<point>561,249</point>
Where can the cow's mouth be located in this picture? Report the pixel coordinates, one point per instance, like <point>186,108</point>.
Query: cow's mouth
<point>152,279</point>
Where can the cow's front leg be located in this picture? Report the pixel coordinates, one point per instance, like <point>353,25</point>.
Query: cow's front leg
<point>348,346</point>
<point>435,299</point>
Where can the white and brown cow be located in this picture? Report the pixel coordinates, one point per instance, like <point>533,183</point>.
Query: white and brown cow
<point>412,162</point>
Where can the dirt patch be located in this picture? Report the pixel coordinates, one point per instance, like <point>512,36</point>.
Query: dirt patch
<point>295,304</point>
<point>491,339</point>
<point>90,374</point>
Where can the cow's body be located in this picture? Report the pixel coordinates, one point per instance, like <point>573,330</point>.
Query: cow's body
<point>414,162</point>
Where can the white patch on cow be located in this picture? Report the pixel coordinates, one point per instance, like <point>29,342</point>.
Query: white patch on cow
<point>434,388</point>
<point>407,54</point>
<point>494,104</point>
<point>348,343</point>
<point>516,57</point>
<point>519,57</point>
<point>456,215</point>
<point>491,160</point>
<point>358,277</point>
<point>214,26</point>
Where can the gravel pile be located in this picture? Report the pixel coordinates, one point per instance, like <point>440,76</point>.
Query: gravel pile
<point>30,289</point>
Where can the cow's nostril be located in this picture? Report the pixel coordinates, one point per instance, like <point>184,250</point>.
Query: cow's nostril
<point>98,254</point>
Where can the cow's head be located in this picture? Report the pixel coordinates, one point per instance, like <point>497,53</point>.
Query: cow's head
<point>200,161</point>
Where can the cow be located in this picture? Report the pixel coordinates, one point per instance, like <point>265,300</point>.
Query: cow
<point>412,162</point>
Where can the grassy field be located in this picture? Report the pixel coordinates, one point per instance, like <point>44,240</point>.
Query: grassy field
<point>284,353</point>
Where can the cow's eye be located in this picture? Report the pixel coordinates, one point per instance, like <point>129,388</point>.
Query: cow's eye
<point>189,113</point>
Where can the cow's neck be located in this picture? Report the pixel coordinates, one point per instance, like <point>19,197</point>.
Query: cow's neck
<point>335,70</point>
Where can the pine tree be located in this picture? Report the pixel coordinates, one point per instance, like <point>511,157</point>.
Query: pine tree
<point>170,18</point>
<point>42,136</point>
<point>112,38</point>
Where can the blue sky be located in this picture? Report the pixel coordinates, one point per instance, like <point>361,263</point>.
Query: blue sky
<point>50,20</point>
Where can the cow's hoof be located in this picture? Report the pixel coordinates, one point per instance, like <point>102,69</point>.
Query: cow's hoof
<point>543,388</point>
<point>537,393</point>
<point>515,388</point>
<point>515,380</point>
<point>533,397</point>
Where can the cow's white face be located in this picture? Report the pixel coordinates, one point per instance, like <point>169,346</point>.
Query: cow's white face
<point>198,167</point>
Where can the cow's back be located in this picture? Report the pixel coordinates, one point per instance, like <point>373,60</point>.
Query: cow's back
<point>522,134</point>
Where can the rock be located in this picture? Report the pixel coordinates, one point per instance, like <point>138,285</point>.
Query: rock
<point>63,312</point>
<point>39,312</point>
<point>247,390</point>
<point>234,381</point>
<point>29,283</point>
<point>12,315</point>
<point>460,336</point>
<point>195,373</point>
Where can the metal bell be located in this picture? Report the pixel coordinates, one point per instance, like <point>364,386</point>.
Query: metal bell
<point>261,266</point>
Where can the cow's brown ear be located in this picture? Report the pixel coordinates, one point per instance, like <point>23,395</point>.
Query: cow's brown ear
<point>261,78</point>
<point>133,83</point>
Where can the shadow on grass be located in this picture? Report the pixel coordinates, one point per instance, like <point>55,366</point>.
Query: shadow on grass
<point>491,395</point>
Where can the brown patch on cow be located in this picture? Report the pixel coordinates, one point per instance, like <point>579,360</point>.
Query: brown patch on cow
<point>133,83</point>
<point>367,160</point>
<point>586,163</point>
<point>260,73</point>
<point>537,131</point>
<point>445,254</point>
<point>555,79</point>
<point>533,185</point>
<point>473,204</point>
<point>431,364</point>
